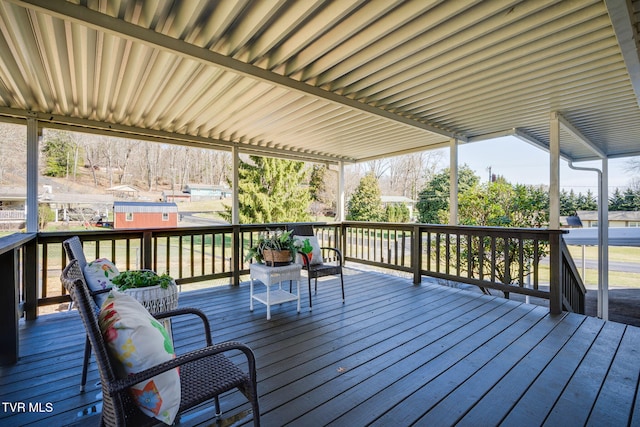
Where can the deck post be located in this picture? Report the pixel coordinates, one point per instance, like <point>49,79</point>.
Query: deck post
<point>416,254</point>
<point>30,279</point>
<point>236,254</point>
<point>146,250</point>
<point>9,308</point>
<point>555,273</point>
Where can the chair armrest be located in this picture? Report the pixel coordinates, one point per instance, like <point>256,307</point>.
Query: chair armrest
<point>188,311</point>
<point>124,383</point>
<point>337,251</point>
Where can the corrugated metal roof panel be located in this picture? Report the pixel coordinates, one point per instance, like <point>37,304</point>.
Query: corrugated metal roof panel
<point>348,80</point>
<point>153,207</point>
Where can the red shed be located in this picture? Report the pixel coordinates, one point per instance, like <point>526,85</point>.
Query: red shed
<point>144,215</point>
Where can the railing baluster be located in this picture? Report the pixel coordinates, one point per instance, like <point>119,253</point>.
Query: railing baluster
<point>203,238</point>
<point>493,258</point>
<point>521,261</point>
<point>481,258</point>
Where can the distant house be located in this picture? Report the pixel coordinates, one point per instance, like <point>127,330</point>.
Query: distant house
<point>172,196</point>
<point>144,215</point>
<point>206,192</point>
<point>616,219</point>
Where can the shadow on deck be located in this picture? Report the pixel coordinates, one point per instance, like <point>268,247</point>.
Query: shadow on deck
<point>394,354</point>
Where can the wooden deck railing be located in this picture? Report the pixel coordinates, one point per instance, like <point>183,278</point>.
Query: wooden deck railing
<point>505,259</point>
<point>492,258</point>
<point>17,254</point>
<point>573,289</point>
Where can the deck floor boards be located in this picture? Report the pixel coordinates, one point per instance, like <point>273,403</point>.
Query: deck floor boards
<point>393,354</point>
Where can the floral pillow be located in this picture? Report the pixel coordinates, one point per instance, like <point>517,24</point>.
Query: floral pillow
<point>98,275</point>
<point>316,258</point>
<point>137,341</point>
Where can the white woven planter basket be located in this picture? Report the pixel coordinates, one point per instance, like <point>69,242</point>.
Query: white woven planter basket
<point>155,299</point>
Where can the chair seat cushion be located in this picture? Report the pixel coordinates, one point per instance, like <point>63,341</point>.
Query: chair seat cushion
<point>323,270</point>
<point>316,258</point>
<point>137,341</point>
<point>98,275</point>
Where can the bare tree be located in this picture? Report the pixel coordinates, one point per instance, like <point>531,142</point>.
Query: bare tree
<point>108,152</point>
<point>633,165</point>
<point>92,155</point>
<point>379,167</point>
<point>13,149</point>
<point>151,161</point>
<point>126,149</point>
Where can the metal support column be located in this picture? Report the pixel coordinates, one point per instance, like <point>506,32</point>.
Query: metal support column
<point>32,175</point>
<point>340,208</point>
<point>453,182</point>
<point>603,243</point>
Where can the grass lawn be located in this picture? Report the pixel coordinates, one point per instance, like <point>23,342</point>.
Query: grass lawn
<point>616,253</point>
<point>617,279</point>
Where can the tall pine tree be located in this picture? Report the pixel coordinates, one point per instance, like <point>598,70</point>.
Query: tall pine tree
<point>366,203</point>
<point>271,190</point>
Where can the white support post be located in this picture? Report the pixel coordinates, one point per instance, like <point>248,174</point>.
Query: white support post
<point>603,246</point>
<point>235,204</point>
<point>453,182</point>
<point>340,203</point>
<point>554,170</point>
<point>555,255</point>
<point>32,175</point>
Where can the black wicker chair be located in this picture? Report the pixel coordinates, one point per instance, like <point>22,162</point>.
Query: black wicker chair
<point>331,260</point>
<point>204,373</point>
<point>74,251</point>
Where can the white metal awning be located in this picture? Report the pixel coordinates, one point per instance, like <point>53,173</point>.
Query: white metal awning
<point>348,80</point>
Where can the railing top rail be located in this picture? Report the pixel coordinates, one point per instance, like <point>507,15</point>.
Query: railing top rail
<point>383,225</point>
<point>13,241</point>
<point>493,230</point>
<point>467,229</point>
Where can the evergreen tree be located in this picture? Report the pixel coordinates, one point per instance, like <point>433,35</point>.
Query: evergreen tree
<point>433,200</point>
<point>590,203</point>
<point>58,151</point>
<point>397,213</point>
<point>271,190</point>
<point>616,202</point>
<point>317,181</point>
<point>565,203</point>
<point>365,203</point>
<point>629,200</point>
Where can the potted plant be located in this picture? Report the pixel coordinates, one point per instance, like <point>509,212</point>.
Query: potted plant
<point>155,292</point>
<point>274,248</point>
<point>141,279</point>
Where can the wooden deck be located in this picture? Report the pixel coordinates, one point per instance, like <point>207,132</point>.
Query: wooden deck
<point>394,354</point>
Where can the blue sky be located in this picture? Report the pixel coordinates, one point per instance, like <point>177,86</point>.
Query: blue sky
<point>522,163</point>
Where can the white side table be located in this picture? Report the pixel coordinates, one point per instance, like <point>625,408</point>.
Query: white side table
<point>270,276</point>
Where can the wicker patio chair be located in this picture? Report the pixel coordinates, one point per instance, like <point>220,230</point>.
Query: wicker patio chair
<point>204,373</point>
<point>74,251</point>
<point>331,260</point>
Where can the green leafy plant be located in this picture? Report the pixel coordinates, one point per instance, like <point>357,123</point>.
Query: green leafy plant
<point>141,279</point>
<point>277,240</point>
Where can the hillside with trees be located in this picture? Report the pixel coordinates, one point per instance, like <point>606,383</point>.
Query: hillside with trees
<point>85,163</point>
